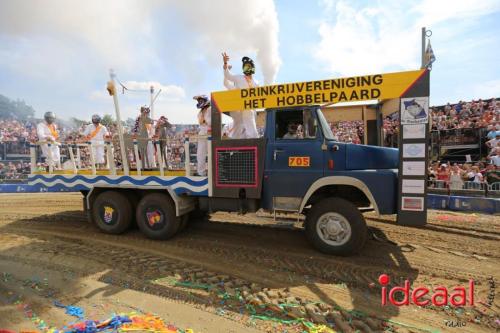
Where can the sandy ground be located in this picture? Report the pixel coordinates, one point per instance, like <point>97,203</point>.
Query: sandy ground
<point>236,273</point>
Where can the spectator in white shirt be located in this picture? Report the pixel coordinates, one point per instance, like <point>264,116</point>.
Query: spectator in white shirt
<point>493,142</point>
<point>475,175</point>
<point>495,160</point>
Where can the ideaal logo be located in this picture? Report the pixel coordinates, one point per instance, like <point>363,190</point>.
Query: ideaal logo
<point>440,295</point>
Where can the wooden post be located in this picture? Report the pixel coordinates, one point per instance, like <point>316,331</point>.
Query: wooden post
<point>120,126</point>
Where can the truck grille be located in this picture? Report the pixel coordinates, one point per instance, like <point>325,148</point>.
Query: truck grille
<point>236,167</point>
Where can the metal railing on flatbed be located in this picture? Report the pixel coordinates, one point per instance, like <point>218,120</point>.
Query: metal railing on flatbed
<point>76,163</point>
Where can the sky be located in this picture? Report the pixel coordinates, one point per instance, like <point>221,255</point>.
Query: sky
<point>56,54</point>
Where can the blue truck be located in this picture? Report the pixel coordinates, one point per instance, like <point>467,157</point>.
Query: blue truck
<point>298,166</point>
<point>305,172</point>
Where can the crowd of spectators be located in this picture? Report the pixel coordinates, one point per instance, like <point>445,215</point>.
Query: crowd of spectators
<point>14,170</point>
<point>390,131</point>
<point>473,114</point>
<point>16,135</point>
<point>348,131</point>
<point>458,176</point>
<point>16,131</point>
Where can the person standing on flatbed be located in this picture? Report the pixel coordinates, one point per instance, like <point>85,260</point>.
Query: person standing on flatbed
<point>204,121</point>
<point>96,133</point>
<point>47,133</point>
<point>244,124</point>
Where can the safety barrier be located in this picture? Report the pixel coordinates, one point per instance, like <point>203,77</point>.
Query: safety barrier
<point>459,136</point>
<point>474,186</point>
<point>463,188</point>
<point>494,190</point>
<point>463,203</point>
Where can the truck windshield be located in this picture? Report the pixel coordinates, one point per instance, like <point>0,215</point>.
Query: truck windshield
<point>327,131</point>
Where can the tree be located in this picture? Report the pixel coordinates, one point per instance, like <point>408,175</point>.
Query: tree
<point>18,109</point>
<point>77,123</point>
<point>108,120</point>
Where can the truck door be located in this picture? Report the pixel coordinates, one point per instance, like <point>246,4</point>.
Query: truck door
<point>294,159</point>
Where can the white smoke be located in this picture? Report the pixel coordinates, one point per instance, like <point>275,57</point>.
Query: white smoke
<point>121,33</point>
<point>238,26</point>
<point>102,28</point>
<point>68,46</point>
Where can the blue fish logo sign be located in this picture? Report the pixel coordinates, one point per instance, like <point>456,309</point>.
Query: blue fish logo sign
<point>414,109</point>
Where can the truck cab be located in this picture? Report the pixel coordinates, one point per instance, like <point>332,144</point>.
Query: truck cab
<point>308,171</point>
<point>304,163</point>
<point>298,166</point>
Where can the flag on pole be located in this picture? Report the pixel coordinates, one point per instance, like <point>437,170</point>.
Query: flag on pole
<point>429,56</point>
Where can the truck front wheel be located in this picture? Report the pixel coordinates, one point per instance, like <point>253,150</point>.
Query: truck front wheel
<point>155,216</point>
<point>335,226</point>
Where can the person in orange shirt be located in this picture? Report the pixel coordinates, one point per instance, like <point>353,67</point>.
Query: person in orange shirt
<point>48,134</point>
<point>96,133</point>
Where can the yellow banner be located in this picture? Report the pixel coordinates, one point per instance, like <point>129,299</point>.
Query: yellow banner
<point>349,89</point>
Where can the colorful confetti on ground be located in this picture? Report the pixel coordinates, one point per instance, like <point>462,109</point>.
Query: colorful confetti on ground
<point>117,323</point>
<point>122,323</point>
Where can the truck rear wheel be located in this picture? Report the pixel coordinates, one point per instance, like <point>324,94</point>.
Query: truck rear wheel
<point>155,216</point>
<point>112,212</point>
<point>336,226</point>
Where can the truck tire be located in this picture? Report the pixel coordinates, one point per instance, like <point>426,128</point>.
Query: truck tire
<point>112,212</point>
<point>155,216</point>
<point>336,226</point>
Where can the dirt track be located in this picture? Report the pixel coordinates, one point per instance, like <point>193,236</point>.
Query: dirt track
<point>214,275</point>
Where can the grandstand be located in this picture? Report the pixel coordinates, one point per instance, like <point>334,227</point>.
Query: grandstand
<point>459,133</point>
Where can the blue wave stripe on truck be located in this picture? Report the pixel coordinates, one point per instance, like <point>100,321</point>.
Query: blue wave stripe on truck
<point>25,188</point>
<point>60,183</point>
<point>121,179</point>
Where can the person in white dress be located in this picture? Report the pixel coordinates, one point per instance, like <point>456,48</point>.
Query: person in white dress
<point>48,134</point>
<point>204,121</point>
<point>96,133</point>
<point>244,124</point>
<point>144,131</point>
